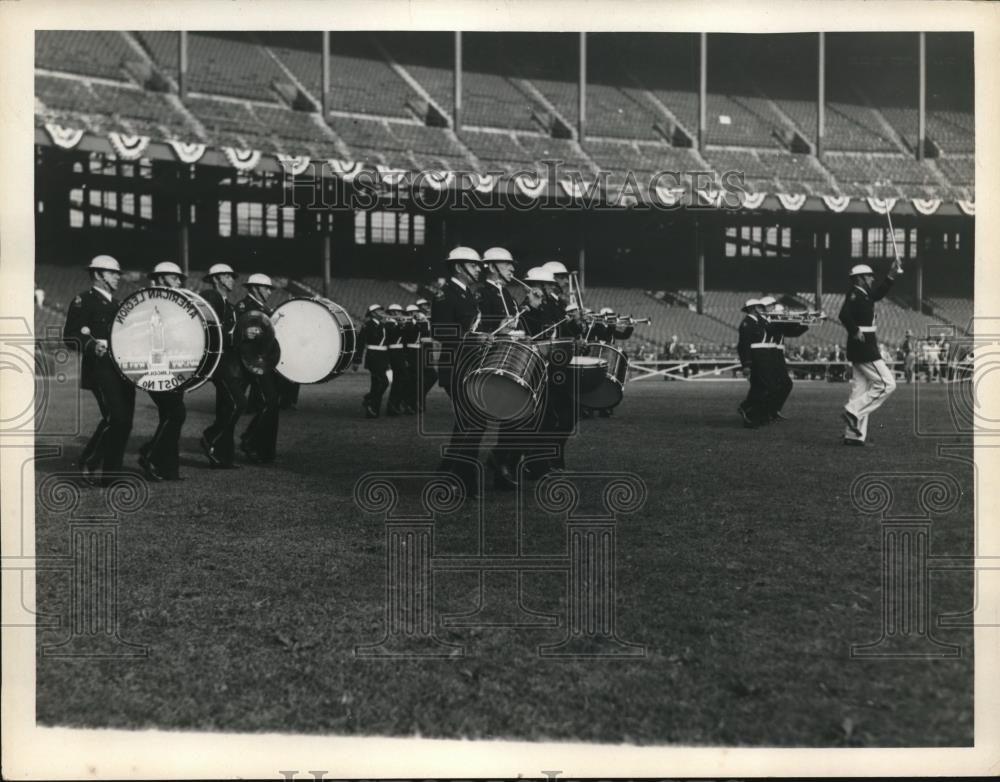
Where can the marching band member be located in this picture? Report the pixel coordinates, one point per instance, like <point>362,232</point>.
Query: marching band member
<point>160,457</point>
<point>217,440</point>
<point>87,329</point>
<point>604,329</point>
<point>780,382</point>
<point>411,355</point>
<point>374,349</point>
<point>752,336</point>
<point>259,441</point>
<point>454,313</point>
<point>561,276</point>
<point>873,381</point>
<point>430,374</point>
<point>398,395</point>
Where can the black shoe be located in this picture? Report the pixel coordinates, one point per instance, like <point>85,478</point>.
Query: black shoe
<point>90,476</point>
<point>392,410</point>
<point>253,456</point>
<point>209,452</point>
<point>857,443</point>
<point>746,418</point>
<point>778,417</point>
<point>149,469</point>
<point>852,423</point>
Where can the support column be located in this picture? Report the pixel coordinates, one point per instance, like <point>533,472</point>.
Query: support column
<point>326,74</point>
<point>458,82</point>
<point>918,281</point>
<point>581,129</point>
<point>702,88</point>
<point>581,264</point>
<point>699,242</point>
<point>327,255</point>
<point>182,65</point>
<point>183,242</point>
<point>922,110</point>
<point>818,237</point>
<point>821,95</point>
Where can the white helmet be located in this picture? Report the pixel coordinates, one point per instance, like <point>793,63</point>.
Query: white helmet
<point>748,305</point>
<point>374,307</point>
<point>167,267</point>
<point>464,255</point>
<point>861,268</point>
<point>259,279</point>
<point>539,274</point>
<point>412,308</point>
<point>394,308</point>
<point>104,263</point>
<point>767,301</point>
<point>572,307</point>
<point>220,268</point>
<point>498,254</point>
<point>555,267</point>
<point>606,311</point>
<point>422,301</point>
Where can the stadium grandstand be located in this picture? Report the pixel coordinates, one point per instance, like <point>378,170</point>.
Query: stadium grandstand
<point>248,148</point>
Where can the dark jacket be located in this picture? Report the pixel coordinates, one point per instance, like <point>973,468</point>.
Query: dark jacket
<point>89,319</point>
<point>496,306</point>
<point>859,312</point>
<point>752,329</point>
<point>454,311</point>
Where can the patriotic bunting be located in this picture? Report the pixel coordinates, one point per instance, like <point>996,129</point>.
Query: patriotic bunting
<point>188,152</point>
<point>881,205</point>
<point>575,188</point>
<point>792,202</point>
<point>242,159</point>
<point>294,164</point>
<point>531,185</point>
<point>345,169</point>
<point>67,138</point>
<point>390,176</point>
<point>837,203</point>
<point>668,196</point>
<point>968,207</point>
<point>753,200</point>
<point>439,180</point>
<point>484,183</point>
<point>711,197</point>
<point>926,206</point>
<point>128,147</point>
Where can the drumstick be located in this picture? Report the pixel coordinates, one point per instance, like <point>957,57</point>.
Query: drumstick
<point>521,282</point>
<point>554,325</point>
<point>512,319</point>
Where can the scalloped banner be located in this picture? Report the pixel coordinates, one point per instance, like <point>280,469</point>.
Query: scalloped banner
<point>968,207</point>
<point>881,205</point>
<point>128,147</point>
<point>242,159</point>
<point>484,183</point>
<point>345,169</point>
<point>926,206</point>
<point>669,196</point>
<point>390,176</point>
<point>576,188</point>
<point>711,197</point>
<point>531,185</point>
<point>67,138</point>
<point>188,152</point>
<point>792,202</point>
<point>439,180</point>
<point>837,203</point>
<point>753,200</point>
<point>294,164</point>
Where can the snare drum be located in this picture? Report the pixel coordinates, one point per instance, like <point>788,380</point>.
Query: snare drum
<point>610,390</point>
<point>508,382</point>
<point>558,351</point>
<point>165,339</point>
<point>317,339</point>
<point>588,372</point>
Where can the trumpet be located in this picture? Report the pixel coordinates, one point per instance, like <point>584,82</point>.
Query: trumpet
<point>797,316</point>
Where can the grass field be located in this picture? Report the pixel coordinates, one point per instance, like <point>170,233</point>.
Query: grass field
<point>747,576</point>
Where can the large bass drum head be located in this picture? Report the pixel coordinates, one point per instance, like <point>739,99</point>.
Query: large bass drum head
<point>310,338</point>
<point>159,339</point>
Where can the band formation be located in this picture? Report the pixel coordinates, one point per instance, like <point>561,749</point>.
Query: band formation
<point>526,365</point>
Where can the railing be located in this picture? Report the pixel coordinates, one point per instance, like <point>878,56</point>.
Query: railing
<point>723,369</point>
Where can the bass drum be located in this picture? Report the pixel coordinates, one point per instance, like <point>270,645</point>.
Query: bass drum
<point>611,389</point>
<point>165,339</point>
<point>317,339</point>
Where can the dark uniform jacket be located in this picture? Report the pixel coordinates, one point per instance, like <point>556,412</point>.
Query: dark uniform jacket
<point>778,330</point>
<point>373,332</point>
<point>453,313</point>
<point>268,346</point>
<point>496,306</point>
<point>89,319</point>
<point>411,334</point>
<point>752,329</point>
<point>226,312</point>
<point>858,311</point>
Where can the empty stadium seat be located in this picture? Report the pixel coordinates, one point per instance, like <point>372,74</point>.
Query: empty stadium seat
<point>91,52</point>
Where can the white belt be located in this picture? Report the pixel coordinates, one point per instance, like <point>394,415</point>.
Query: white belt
<point>867,329</point>
<point>413,345</point>
<point>426,340</point>
<point>397,346</point>
<point>377,347</point>
<point>773,345</point>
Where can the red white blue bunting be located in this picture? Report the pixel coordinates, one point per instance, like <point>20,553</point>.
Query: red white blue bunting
<point>390,176</point>
<point>294,164</point>
<point>484,183</point>
<point>968,207</point>
<point>67,138</point>
<point>836,203</point>
<point>344,169</point>
<point>926,206</point>
<point>188,152</point>
<point>439,180</point>
<point>753,200</point>
<point>532,185</point>
<point>792,202</point>
<point>242,159</point>
<point>128,147</point>
<point>668,196</point>
<point>881,205</point>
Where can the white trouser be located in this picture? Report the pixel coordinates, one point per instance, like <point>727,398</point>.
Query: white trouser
<point>873,382</point>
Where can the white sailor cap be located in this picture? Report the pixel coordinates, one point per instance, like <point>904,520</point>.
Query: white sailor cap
<point>104,263</point>
<point>861,268</point>
<point>167,267</point>
<point>259,279</point>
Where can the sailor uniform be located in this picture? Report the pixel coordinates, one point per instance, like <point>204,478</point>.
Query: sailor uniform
<point>754,355</point>
<point>375,352</point>
<point>228,379</point>
<point>260,439</point>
